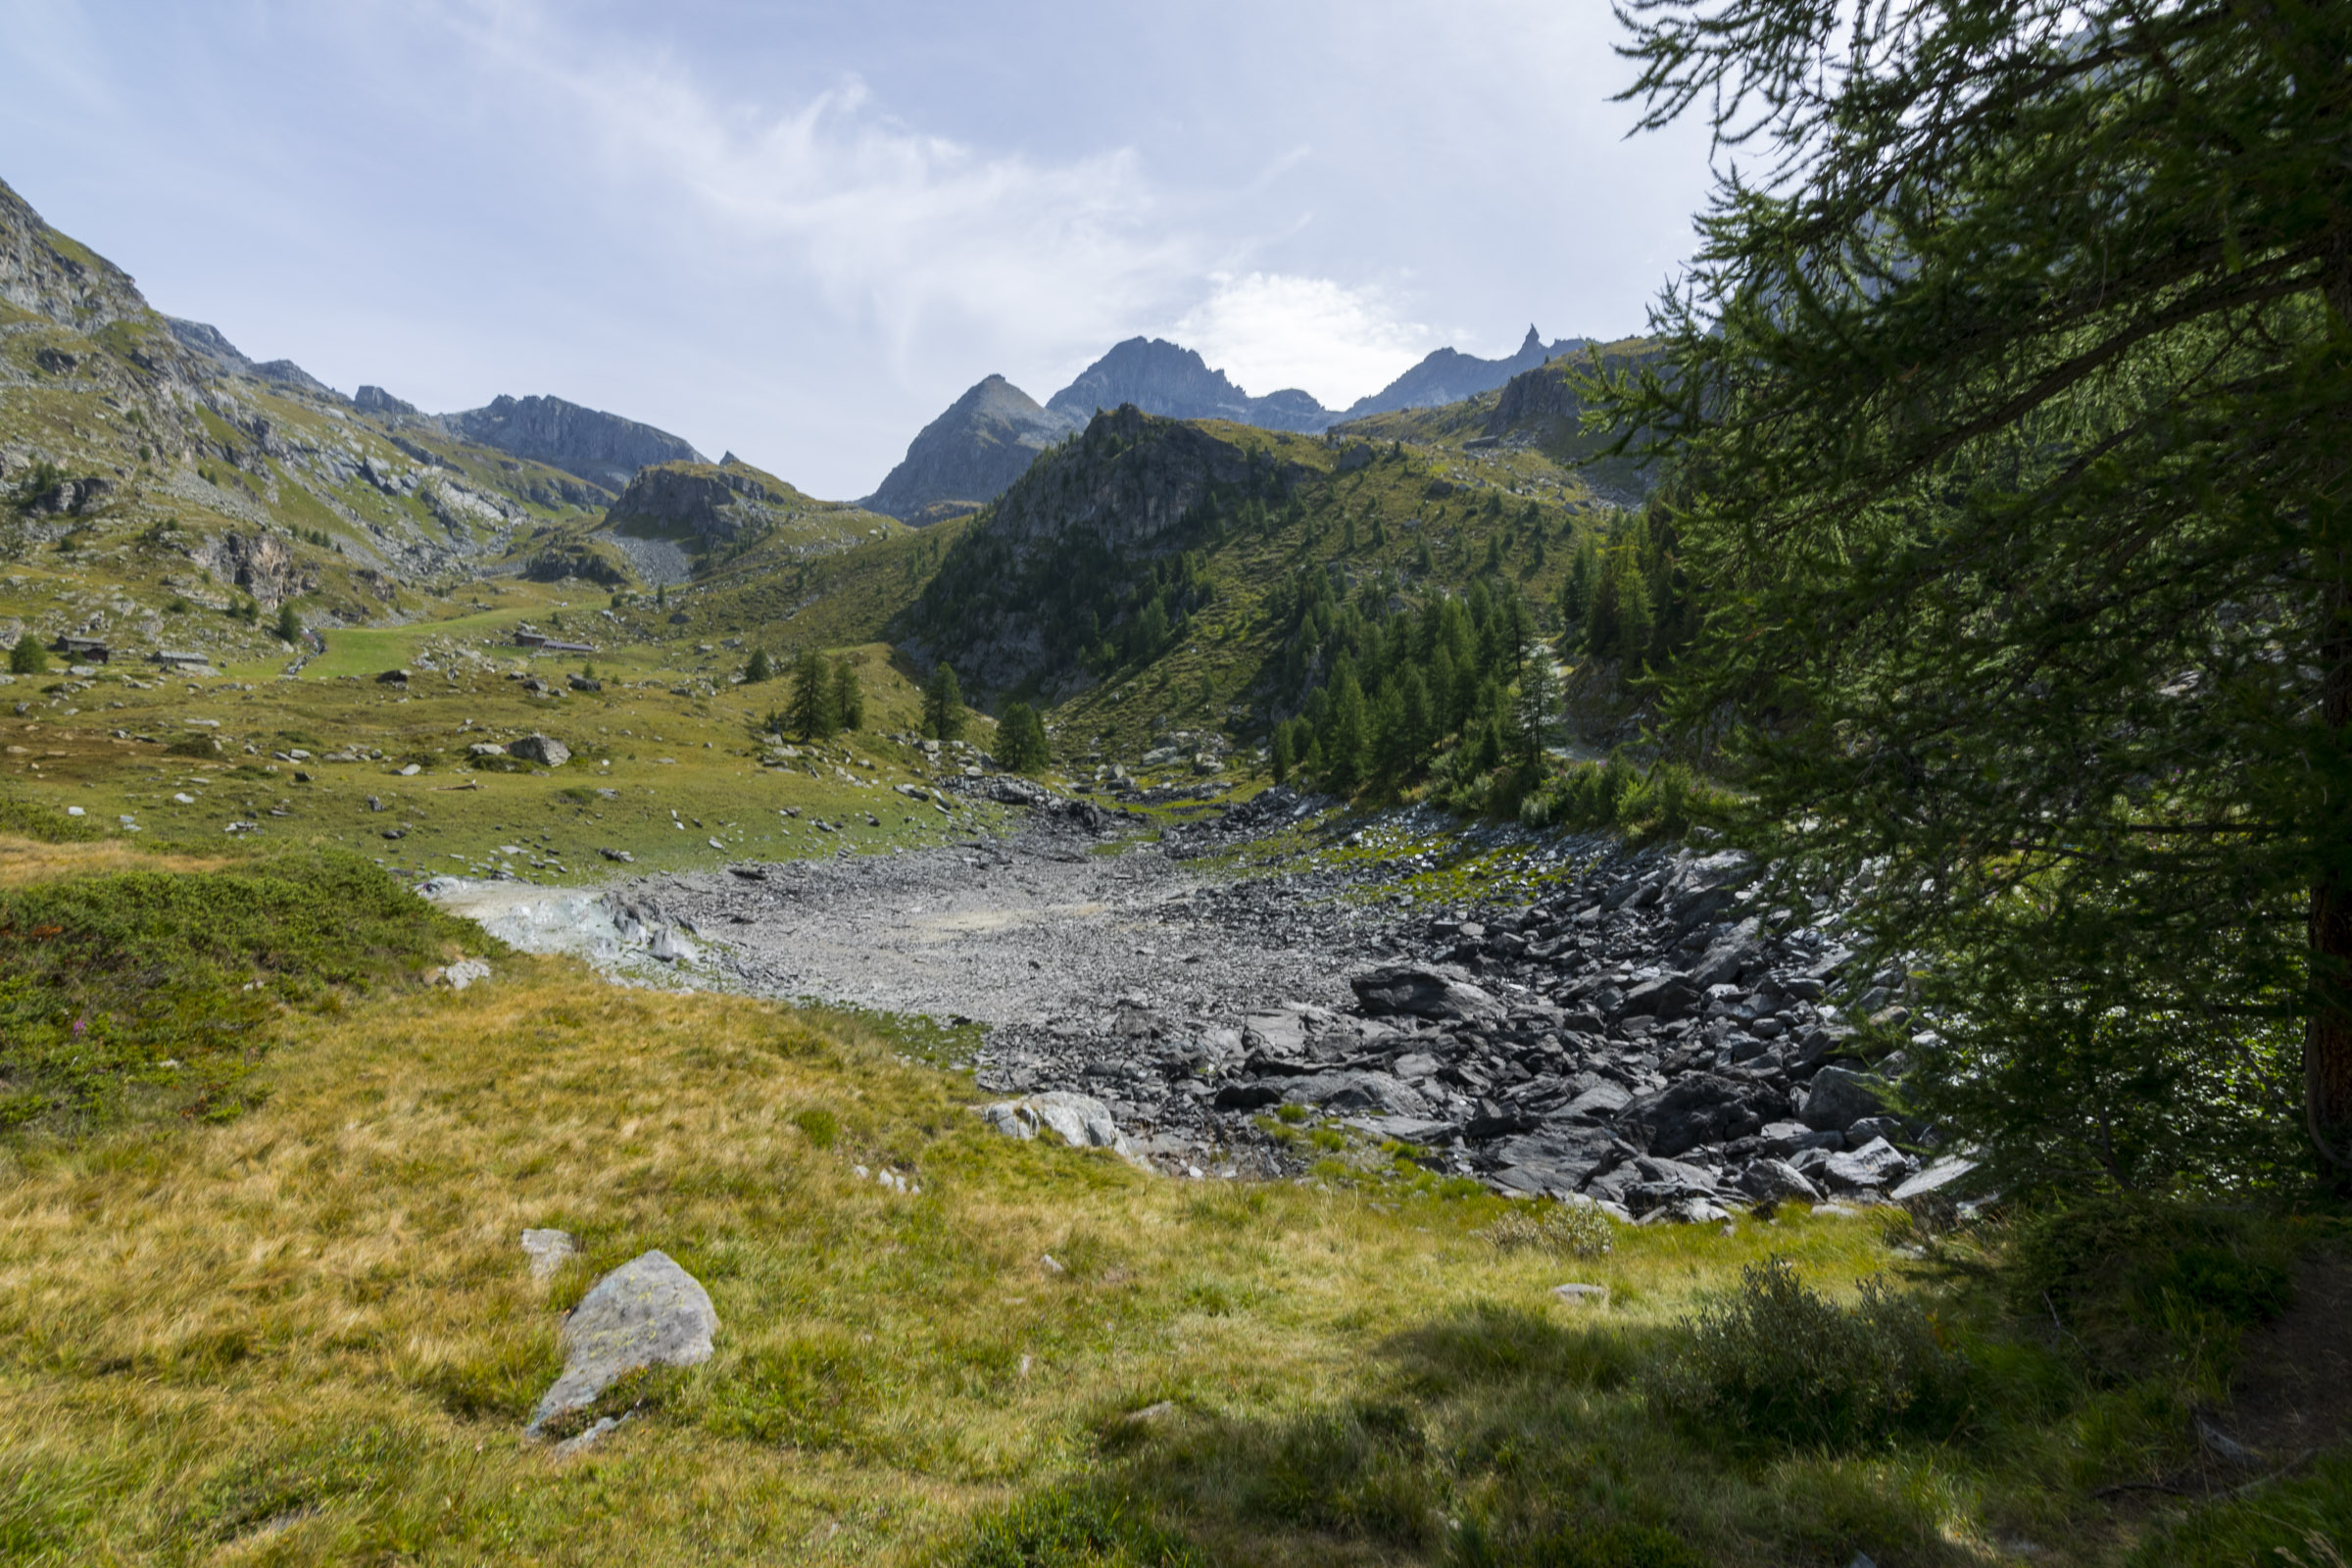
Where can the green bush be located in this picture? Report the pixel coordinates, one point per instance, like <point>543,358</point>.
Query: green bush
<point>159,994</point>
<point>1775,1361</point>
<point>28,657</point>
<point>30,819</point>
<point>822,1128</point>
<point>1573,1230</point>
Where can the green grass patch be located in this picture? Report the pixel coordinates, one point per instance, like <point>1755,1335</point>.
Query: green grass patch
<point>156,995</point>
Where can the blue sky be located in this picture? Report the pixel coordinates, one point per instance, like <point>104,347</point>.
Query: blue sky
<point>798,231</point>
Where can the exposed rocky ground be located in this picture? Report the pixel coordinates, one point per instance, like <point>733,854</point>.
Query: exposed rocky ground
<point>1643,1033</point>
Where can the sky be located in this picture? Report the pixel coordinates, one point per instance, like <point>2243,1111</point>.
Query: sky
<point>799,232</point>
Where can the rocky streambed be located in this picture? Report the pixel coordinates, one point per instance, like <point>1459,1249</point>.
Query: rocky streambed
<point>1641,1033</point>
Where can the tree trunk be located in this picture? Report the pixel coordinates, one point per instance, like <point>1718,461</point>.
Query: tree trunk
<point>2327,1034</point>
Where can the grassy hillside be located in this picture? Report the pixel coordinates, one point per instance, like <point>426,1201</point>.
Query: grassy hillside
<point>1144,577</point>
<point>307,1333</point>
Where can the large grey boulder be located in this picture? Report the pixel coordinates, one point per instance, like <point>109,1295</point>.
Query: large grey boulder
<point>1868,1169</point>
<point>545,749</point>
<point>1080,1120</point>
<point>648,1312</point>
<point>1424,990</point>
<point>1841,1097</point>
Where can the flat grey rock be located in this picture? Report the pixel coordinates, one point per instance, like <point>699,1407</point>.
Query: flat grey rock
<point>1425,990</point>
<point>648,1312</point>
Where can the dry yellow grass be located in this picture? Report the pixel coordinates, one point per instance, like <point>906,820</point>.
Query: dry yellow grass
<point>23,859</point>
<point>310,1335</point>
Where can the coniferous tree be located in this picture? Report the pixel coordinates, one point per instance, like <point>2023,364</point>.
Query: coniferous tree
<point>848,695</point>
<point>2010,400</point>
<point>27,656</point>
<point>757,669</point>
<point>1279,754</point>
<point>943,705</point>
<point>1345,732</point>
<point>811,710</point>
<point>1021,739</point>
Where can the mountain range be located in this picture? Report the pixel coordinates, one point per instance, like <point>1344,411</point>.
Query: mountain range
<point>988,437</point>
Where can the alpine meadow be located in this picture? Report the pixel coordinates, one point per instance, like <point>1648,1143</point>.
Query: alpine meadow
<point>1726,945</point>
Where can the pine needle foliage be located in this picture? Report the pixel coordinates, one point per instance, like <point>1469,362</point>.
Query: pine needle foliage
<point>2010,401</point>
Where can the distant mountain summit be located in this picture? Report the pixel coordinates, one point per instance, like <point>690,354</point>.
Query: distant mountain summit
<point>1449,376</point>
<point>985,440</point>
<point>989,436</point>
<point>1166,379</point>
<point>601,448</point>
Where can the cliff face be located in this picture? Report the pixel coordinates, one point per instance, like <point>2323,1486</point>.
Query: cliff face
<point>985,441</point>
<point>601,447</point>
<point>43,271</point>
<point>1161,378</point>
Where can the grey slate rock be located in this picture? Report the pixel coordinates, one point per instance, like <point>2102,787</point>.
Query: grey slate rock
<point>545,749</point>
<point>1696,1108</point>
<point>1840,1097</point>
<point>1776,1178</point>
<point>1422,991</point>
<point>648,1312</point>
<point>1874,1165</point>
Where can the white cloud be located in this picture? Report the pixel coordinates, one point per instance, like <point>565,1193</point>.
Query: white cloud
<point>899,231</point>
<point>1268,330</point>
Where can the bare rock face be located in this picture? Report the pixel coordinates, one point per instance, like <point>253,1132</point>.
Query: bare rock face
<point>261,563</point>
<point>710,500</point>
<point>985,440</point>
<point>648,1312</point>
<point>601,447</point>
<point>44,273</point>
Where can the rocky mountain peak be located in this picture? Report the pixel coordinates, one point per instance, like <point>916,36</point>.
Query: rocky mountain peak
<point>985,440</point>
<point>1168,378</point>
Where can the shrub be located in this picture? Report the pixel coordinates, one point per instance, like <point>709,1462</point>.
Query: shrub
<point>32,820</point>
<point>28,657</point>
<point>1574,1230</point>
<point>1776,1361</point>
<point>160,993</point>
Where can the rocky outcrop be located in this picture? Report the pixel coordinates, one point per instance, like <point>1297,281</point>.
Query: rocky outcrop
<point>377,401</point>
<point>648,1312</point>
<point>704,499</point>
<point>1447,375</point>
<point>597,446</point>
<point>985,440</point>
<point>261,563</point>
<point>1166,379</point>
<point>43,271</point>
<point>590,560</point>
